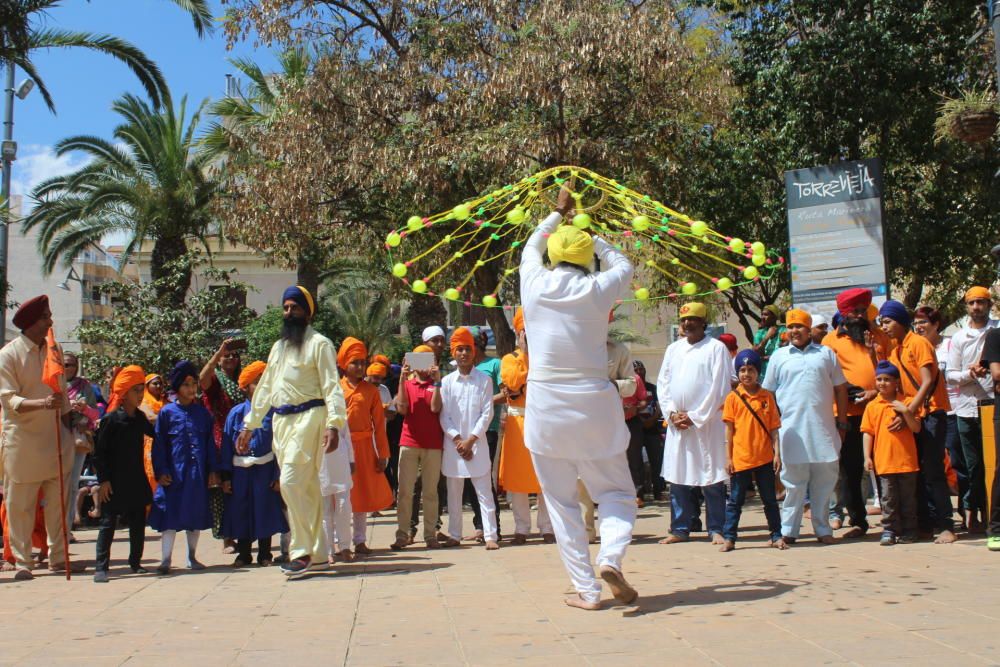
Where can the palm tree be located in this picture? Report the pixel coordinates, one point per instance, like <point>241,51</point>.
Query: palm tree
<point>149,182</point>
<point>21,35</point>
<point>366,312</point>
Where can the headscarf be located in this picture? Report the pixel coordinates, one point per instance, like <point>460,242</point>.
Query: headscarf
<point>432,331</point>
<point>896,311</point>
<point>377,369</point>
<point>729,340</point>
<point>796,316</point>
<point>301,296</point>
<point>978,293</point>
<point>155,404</point>
<point>351,349</point>
<point>30,312</point>
<point>570,244</point>
<point>694,309</point>
<point>127,378</point>
<point>181,372</point>
<point>423,348</point>
<point>852,299</point>
<point>774,310</point>
<point>748,358</point>
<point>887,368</point>
<point>518,320</point>
<point>462,336</point>
<point>251,374</point>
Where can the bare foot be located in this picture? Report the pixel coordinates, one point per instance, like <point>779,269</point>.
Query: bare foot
<point>475,537</point>
<point>854,533</point>
<point>621,589</point>
<point>93,514</point>
<point>836,524</point>
<point>718,539</point>
<point>779,544</point>
<point>807,514</point>
<point>491,545</point>
<point>580,603</point>
<point>946,537</point>
<point>673,539</point>
<point>727,545</point>
<point>828,539</point>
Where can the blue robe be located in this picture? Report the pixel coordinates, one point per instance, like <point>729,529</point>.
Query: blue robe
<point>183,448</point>
<point>253,509</point>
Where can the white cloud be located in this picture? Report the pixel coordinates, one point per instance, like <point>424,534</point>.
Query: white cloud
<point>36,163</point>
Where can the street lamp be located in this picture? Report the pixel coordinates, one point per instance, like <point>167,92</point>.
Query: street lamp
<point>72,275</point>
<point>8,152</point>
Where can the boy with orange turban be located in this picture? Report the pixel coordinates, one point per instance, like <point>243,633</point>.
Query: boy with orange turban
<point>366,419</point>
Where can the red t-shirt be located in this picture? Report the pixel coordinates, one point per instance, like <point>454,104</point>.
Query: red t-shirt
<point>421,426</point>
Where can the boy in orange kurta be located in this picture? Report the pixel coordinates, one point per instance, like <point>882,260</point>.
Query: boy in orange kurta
<point>366,420</point>
<point>517,473</point>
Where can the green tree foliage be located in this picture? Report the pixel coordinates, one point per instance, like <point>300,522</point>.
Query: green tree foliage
<point>262,332</point>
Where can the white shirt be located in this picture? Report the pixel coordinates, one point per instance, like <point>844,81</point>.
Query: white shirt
<point>466,410</point>
<point>695,379</point>
<point>966,350</point>
<point>573,411</point>
<point>335,469</point>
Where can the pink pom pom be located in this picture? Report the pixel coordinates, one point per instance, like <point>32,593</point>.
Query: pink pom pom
<point>468,303</point>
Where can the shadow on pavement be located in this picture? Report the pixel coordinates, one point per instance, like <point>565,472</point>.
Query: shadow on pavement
<point>368,570</point>
<point>746,591</point>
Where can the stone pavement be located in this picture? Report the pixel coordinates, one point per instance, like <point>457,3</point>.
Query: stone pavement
<point>852,602</point>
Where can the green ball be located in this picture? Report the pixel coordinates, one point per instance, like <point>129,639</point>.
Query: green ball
<point>399,269</point>
<point>751,273</point>
<point>581,221</point>
<point>699,227</point>
<point>758,260</point>
<point>451,294</point>
<point>489,301</point>
<point>640,223</point>
<point>393,239</point>
<point>461,212</point>
<point>414,222</point>
<point>758,248</point>
<point>642,294</point>
<point>724,283</point>
<point>737,245</point>
<point>689,288</point>
<point>419,286</point>
<point>515,216</point>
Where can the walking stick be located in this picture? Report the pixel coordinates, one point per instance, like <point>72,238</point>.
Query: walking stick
<point>62,495</point>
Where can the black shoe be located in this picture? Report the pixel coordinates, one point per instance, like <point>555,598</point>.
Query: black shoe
<point>906,539</point>
<point>101,577</point>
<point>139,570</point>
<point>282,559</point>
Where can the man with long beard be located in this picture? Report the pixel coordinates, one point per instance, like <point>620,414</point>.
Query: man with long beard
<point>301,384</point>
<point>859,346</point>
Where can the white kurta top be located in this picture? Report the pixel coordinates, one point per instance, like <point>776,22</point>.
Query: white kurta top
<point>573,411</point>
<point>335,470</point>
<point>695,379</point>
<point>466,409</point>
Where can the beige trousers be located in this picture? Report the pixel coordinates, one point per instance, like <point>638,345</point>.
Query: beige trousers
<point>426,463</point>
<point>22,499</point>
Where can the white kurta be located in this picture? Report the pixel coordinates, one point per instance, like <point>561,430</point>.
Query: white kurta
<point>335,471</point>
<point>695,379</point>
<point>466,409</point>
<point>573,411</point>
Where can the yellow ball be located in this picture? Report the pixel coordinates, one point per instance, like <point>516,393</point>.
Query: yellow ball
<point>758,248</point>
<point>451,294</point>
<point>642,294</point>
<point>751,272</point>
<point>399,269</point>
<point>393,239</point>
<point>737,245</point>
<point>699,228</point>
<point>724,283</point>
<point>640,223</point>
<point>689,288</point>
<point>489,301</point>
<point>758,260</point>
<point>515,216</point>
<point>419,286</point>
<point>461,212</point>
<point>414,222</point>
<point>581,220</point>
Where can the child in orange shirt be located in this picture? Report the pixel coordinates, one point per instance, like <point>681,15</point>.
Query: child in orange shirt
<point>892,455</point>
<point>752,422</point>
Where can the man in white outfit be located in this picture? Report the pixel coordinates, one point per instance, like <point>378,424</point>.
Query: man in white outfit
<point>574,424</point>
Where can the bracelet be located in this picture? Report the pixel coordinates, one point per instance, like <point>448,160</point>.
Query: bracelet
<point>843,425</point>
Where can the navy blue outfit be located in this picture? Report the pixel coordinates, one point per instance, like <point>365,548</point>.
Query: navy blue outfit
<point>184,448</point>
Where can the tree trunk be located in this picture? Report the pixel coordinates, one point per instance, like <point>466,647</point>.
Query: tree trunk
<point>424,311</point>
<point>506,340</point>
<point>167,262</point>
<point>307,269</point>
<point>914,290</point>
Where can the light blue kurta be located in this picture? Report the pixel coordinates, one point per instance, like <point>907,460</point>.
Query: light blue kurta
<point>802,382</point>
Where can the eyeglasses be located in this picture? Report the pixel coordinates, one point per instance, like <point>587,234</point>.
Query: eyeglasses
<point>231,355</point>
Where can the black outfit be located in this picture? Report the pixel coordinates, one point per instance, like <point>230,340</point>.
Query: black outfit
<point>991,355</point>
<point>118,459</point>
<point>652,438</point>
<point>852,470</point>
<point>244,548</point>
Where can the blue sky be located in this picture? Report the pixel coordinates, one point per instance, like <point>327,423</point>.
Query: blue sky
<point>84,85</point>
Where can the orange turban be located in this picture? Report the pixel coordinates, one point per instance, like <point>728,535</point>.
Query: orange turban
<point>251,374</point>
<point>351,349</point>
<point>796,316</point>
<point>377,369</point>
<point>461,336</point>
<point>126,378</point>
<point>423,348</point>
<point>519,320</point>
<point>381,359</point>
<point>978,293</point>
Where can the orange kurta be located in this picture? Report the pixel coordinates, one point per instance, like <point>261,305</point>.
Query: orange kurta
<point>39,538</point>
<point>366,420</point>
<point>150,406</point>
<point>517,474</point>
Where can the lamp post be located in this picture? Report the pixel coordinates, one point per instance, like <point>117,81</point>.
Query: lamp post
<point>8,152</point>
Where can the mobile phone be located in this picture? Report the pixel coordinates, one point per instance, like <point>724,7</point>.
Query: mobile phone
<point>419,361</point>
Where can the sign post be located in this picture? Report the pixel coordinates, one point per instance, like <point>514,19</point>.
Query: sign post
<point>835,236</point>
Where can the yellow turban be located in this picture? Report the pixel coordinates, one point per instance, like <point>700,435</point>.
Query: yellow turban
<point>796,316</point>
<point>423,348</point>
<point>694,309</point>
<point>518,320</point>
<point>570,244</point>
<point>978,293</point>
<point>461,336</point>
<point>351,349</point>
<point>377,369</point>
<point>251,374</point>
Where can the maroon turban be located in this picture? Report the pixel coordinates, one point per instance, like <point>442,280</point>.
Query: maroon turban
<point>729,340</point>
<point>30,312</point>
<point>852,299</point>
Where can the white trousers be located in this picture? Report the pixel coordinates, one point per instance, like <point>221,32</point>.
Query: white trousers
<point>360,527</point>
<point>484,492</point>
<point>520,505</point>
<point>337,521</point>
<point>610,485</point>
<point>816,479</point>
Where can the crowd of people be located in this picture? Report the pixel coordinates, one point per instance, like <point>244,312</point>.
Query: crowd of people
<point>817,419</point>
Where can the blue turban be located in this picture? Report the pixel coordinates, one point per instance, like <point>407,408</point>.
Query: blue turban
<point>837,319</point>
<point>181,372</point>
<point>887,368</point>
<point>301,296</point>
<point>748,358</point>
<point>896,311</point>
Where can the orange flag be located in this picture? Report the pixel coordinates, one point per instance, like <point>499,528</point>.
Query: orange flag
<point>53,368</point>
